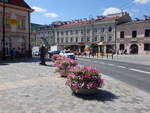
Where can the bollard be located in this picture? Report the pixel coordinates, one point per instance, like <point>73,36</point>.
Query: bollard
<point>107,55</point>
<point>112,56</point>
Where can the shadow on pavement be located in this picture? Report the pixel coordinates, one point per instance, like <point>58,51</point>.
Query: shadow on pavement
<point>101,95</point>
<point>1,63</point>
<point>25,60</point>
<point>47,65</point>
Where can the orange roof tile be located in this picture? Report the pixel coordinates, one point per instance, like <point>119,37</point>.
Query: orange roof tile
<point>88,21</point>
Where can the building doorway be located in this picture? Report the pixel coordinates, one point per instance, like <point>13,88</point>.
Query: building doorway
<point>109,48</point>
<point>134,49</point>
<point>7,47</point>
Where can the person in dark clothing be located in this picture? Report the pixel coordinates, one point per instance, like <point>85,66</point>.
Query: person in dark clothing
<point>42,55</point>
<point>12,53</point>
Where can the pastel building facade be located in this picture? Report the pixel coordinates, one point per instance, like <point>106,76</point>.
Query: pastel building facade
<point>17,26</point>
<point>134,37</point>
<point>83,32</point>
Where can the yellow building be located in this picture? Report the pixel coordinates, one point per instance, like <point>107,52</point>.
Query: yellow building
<point>15,33</point>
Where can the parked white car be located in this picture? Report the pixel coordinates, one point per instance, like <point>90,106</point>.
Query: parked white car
<point>35,53</point>
<point>67,53</point>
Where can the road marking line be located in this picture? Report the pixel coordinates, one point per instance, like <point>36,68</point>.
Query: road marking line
<point>102,63</point>
<point>84,60</point>
<point>110,64</point>
<point>141,71</point>
<point>121,67</point>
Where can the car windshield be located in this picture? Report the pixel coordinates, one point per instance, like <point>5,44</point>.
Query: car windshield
<point>67,51</point>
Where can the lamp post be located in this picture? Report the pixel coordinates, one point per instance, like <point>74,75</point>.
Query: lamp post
<point>91,22</point>
<point>3,40</point>
<point>29,28</point>
<point>115,36</point>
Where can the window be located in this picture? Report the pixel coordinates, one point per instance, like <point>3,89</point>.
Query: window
<point>121,46</point>
<point>147,47</point>
<point>95,30</point>
<point>57,40</point>
<point>134,34</point>
<point>88,31</point>
<point>81,31</point>
<point>1,19</point>
<point>110,38</point>
<point>21,25</point>
<point>76,31</point>
<point>110,29</point>
<point>71,40</point>
<point>71,32</point>
<point>102,29</point>
<point>57,33</point>
<point>147,32</point>
<point>66,32</point>
<point>66,39</point>
<point>4,0</point>
<point>102,39</point>
<point>95,38</point>
<point>88,39</point>
<point>62,40</point>
<point>76,39</point>
<point>122,34</point>
<point>6,19</point>
<point>62,33</point>
<point>82,39</point>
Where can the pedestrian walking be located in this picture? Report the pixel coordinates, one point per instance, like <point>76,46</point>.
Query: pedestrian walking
<point>107,55</point>
<point>12,53</point>
<point>42,55</point>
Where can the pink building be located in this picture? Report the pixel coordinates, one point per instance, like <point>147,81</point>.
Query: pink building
<point>134,37</point>
<point>17,26</point>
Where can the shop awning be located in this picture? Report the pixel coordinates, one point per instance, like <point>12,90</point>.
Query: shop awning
<point>100,43</point>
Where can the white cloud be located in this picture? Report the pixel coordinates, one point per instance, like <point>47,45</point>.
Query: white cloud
<point>51,15</point>
<point>141,1</point>
<point>38,9</point>
<point>111,10</point>
<point>135,10</point>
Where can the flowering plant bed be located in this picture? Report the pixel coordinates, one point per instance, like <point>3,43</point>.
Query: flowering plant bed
<point>84,80</point>
<point>63,64</point>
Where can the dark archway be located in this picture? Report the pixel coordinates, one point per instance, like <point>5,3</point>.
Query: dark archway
<point>134,49</point>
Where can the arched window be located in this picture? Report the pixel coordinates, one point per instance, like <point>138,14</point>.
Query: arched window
<point>110,29</point>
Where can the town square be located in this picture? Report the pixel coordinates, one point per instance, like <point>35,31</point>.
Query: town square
<point>74,56</point>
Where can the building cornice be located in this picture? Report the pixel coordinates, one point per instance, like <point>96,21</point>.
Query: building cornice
<point>16,7</point>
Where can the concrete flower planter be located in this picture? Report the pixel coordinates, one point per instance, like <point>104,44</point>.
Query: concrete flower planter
<point>84,91</point>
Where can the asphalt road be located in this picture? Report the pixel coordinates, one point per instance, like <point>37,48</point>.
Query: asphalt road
<point>133,74</point>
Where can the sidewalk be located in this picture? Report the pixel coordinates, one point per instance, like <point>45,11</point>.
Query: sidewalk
<point>27,87</point>
<point>136,59</point>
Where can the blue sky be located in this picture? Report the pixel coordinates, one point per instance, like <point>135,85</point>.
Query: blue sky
<point>47,11</point>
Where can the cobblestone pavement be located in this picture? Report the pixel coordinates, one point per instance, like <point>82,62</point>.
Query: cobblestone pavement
<point>27,87</point>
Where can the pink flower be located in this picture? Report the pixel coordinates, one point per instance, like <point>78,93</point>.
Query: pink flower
<point>86,77</point>
<point>76,85</point>
<point>71,75</point>
<point>90,85</point>
<point>101,81</point>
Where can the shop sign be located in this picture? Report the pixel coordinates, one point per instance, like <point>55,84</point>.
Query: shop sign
<point>13,21</point>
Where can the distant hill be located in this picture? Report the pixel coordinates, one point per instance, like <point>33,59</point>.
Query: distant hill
<point>35,26</point>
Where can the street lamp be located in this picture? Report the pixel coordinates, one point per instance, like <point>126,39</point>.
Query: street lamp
<point>29,28</point>
<point>115,36</point>
<point>91,22</point>
<point>3,40</point>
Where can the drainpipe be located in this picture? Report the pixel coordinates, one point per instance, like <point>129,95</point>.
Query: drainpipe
<point>29,28</point>
<point>4,53</point>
